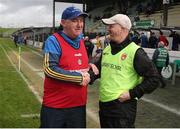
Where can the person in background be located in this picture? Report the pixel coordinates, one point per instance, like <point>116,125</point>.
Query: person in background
<point>135,38</point>
<point>144,40</point>
<point>163,39</point>
<point>89,47</point>
<point>153,41</point>
<point>25,40</point>
<point>139,8</point>
<point>106,41</point>
<point>15,39</point>
<point>98,43</point>
<point>161,59</point>
<point>149,9</point>
<point>136,18</point>
<point>175,41</point>
<point>20,39</point>
<point>66,74</point>
<point>126,74</point>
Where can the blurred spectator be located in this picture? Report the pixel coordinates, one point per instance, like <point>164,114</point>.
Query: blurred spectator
<point>175,41</point>
<point>161,59</point>
<point>135,38</point>
<point>144,40</point>
<point>89,47</point>
<point>98,43</point>
<point>153,40</point>
<point>123,6</point>
<point>20,39</point>
<point>139,8</point>
<point>136,18</point>
<point>25,40</point>
<point>163,39</point>
<point>149,9</point>
<point>15,40</point>
<point>106,41</point>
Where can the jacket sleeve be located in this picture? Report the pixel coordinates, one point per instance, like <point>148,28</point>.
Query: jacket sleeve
<point>52,70</point>
<point>52,54</point>
<point>145,68</point>
<point>93,77</point>
<point>155,55</point>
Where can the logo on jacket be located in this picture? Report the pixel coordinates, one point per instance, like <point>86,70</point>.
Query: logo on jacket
<point>79,62</point>
<point>123,56</point>
<point>78,54</point>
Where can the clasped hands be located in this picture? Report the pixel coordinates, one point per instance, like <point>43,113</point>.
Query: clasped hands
<point>85,75</point>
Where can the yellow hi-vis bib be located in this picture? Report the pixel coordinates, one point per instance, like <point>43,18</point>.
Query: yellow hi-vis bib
<point>117,72</point>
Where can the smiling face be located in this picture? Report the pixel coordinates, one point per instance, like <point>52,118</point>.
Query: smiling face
<point>73,27</point>
<point>117,32</point>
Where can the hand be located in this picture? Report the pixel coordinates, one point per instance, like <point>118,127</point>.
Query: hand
<point>124,96</point>
<point>94,68</point>
<point>86,78</point>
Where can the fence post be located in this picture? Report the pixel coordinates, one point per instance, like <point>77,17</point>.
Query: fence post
<point>19,63</point>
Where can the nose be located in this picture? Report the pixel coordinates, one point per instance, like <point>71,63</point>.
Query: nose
<point>80,23</point>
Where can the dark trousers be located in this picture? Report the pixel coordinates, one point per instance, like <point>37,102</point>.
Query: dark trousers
<point>163,84</point>
<point>116,114</point>
<point>63,118</point>
<point>115,122</point>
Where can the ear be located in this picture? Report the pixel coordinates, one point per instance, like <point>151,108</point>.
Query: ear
<point>62,22</point>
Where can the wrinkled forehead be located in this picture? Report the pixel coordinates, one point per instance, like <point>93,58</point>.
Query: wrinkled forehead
<point>76,18</point>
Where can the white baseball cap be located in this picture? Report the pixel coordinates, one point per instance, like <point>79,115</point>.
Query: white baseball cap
<point>120,19</point>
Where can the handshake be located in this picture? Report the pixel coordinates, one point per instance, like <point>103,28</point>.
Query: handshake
<point>86,76</point>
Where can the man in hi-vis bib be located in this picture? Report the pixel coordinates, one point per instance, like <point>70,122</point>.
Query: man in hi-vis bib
<point>126,75</point>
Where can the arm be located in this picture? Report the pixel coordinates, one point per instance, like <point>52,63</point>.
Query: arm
<point>94,76</point>
<point>52,55</point>
<point>155,56</point>
<point>147,70</point>
<point>167,60</point>
<point>52,70</point>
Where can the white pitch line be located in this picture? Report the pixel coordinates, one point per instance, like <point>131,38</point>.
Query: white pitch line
<point>30,115</point>
<point>29,65</point>
<point>36,53</point>
<point>165,107</point>
<point>23,77</point>
<point>41,74</point>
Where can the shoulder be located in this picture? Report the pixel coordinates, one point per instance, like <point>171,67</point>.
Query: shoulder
<point>132,47</point>
<point>51,45</point>
<point>142,59</point>
<point>141,54</point>
<point>140,51</point>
